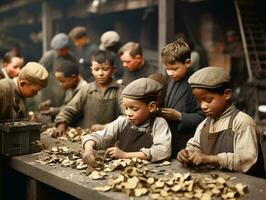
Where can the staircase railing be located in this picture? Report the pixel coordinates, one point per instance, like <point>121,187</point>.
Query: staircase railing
<point>244,42</point>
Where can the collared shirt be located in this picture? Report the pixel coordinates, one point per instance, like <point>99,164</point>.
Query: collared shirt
<point>87,93</point>
<point>245,142</point>
<point>160,150</point>
<point>5,73</point>
<point>70,93</point>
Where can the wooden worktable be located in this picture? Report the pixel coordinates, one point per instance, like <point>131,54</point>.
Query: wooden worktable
<point>75,183</point>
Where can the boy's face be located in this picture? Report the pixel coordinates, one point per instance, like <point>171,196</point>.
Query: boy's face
<point>27,89</point>
<point>178,70</point>
<point>212,104</point>
<point>14,67</point>
<point>102,72</point>
<point>66,82</point>
<point>137,111</point>
<point>131,63</point>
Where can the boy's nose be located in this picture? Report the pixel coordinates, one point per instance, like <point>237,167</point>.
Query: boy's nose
<point>204,106</point>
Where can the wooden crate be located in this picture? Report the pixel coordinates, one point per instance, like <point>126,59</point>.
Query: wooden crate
<point>17,138</point>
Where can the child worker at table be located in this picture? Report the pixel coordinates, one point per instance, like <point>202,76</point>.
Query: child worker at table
<point>227,138</point>
<point>137,134</point>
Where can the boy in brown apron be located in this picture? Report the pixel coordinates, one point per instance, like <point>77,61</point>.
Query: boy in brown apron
<point>139,133</point>
<point>97,103</point>
<point>227,138</point>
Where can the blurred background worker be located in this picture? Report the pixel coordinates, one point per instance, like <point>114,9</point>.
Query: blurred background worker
<point>83,49</point>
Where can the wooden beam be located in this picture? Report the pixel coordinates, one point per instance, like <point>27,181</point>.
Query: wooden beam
<point>166,26</point>
<point>16,4</point>
<point>47,25</point>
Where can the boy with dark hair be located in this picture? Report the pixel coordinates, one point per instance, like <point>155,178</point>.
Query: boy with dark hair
<point>98,101</point>
<point>67,74</point>
<point>139,133</point>
<point>227,138</point>
<point>12,63</point>
<point>180,106</point>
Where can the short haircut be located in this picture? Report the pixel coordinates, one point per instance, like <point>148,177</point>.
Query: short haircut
<point>177,51</point>
<point>133,48</point>
<point>149,99</point>
<point>68,68</point>
<point>101,56</point>
<point>9,55</point>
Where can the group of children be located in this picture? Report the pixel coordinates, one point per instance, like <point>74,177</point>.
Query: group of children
<point>150,129</point>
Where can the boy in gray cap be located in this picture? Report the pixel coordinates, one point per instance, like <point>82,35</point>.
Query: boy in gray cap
<point>83,49</point>
<point>227,138</point>
<point>60,52</point>
<point>32,78</point>
<point>139,133</point>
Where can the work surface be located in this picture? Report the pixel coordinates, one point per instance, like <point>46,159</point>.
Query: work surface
<point>77,184</point>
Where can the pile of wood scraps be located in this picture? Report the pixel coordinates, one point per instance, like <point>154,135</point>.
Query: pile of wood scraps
<point>72,134</point>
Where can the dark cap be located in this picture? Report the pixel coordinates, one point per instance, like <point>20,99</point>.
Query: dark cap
<point>209,77</point>
<point>141,88</point>
<point>60,41</point>
<point>77,32</point>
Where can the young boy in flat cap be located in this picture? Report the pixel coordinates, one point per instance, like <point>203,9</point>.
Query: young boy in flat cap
<point>180,107</point>
<point>139,133</point>
<point>227,138</point>
<point>67,74</point>
<point>98,102</point>
<point>60,52</point>
<point>13,92</point>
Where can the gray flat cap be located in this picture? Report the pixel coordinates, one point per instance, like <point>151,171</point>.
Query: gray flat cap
<point>59,41</point>
<point>142,87</point>
<point>108,39</point>
<point>77,32</point>
<point>209,77</point>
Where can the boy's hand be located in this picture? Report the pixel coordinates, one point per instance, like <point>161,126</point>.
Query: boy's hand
<point>170,113</point>
<point>88,156</point>
<point>115,152</point>
<point>198,158</point>
<point>60,130</point>
<point>183,156</point>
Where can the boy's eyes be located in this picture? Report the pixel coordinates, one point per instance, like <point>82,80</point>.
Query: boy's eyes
<point>132,108</point>
<point>103,68</point>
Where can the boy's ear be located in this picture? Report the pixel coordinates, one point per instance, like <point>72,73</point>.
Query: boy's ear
<point>188,63</point>
<point>23,83</point>
<point>139,57</point>
<point>152,106</point>
<point>228,94</point>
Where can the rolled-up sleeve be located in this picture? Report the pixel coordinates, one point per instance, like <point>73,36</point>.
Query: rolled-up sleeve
<point>245,151</point>
<point>162,138</point>
<point>108,136</point>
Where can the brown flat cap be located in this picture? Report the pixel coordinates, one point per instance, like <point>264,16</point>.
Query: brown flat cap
<point>35,73</point>
<point>77,32</point>
<point>209,77</point>
<point>141,88</point>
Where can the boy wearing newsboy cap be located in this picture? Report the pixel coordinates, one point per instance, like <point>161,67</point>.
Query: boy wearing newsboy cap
<point>31,79</point>
<point>227,138</point>
<point>139,133</point>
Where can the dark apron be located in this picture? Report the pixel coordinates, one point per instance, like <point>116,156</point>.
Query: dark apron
<point>132,140</point>
<point>222,141</point>
<point>100,111</point>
